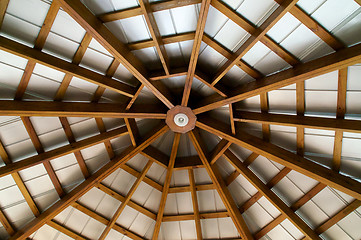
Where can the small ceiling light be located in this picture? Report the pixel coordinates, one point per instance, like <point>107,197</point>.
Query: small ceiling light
<point>181,120</point>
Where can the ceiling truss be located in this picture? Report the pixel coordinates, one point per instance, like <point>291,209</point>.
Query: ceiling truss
<point>342,58</point>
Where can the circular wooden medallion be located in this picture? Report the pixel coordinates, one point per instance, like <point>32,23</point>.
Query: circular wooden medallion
<point>181,119</point>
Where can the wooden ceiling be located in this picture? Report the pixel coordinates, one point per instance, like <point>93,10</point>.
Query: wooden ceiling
<point>339,60</point>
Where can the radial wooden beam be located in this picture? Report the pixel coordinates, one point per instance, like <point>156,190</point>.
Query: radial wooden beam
<point>260,32</point>
<point>300,105</point>
<point>335,124</point>
<point>340,114</point>
<point>88,184</point>
<point>77,109</point>
<point>221,187</point>
<point>154,32</point>
<point>125,202</point>
<point>39,148</point>
<point>100,32</point>
<point>195,203</point>
<point>64,66</point>
<point>105,221</point>
<point>301,72</point>
<point>61,151</point>
<point>271,196</point>
<point>168,178</point>
<point>284,157</point>
<point>202,19</point>
<point>252,29</point>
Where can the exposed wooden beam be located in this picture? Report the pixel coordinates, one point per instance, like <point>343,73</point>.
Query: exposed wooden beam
<point>316,28</point>
<point>201,187</point>
<point>300,105</point>
<point>136,11</point>
<point>154,32</point>
<point>65,230</point>
<point>125,202</point>
<point>168,177</point>
<point>105,221</point>
<point>264,109</point>
<point>19,182</point>
<point>132,130</point>
<point>78,109</point>
<point>231,119</point>
<point>299,121</point>
<point>338,216</point>
<point>166,40</point>
<point>202,19</point>
<point>340,114</point>
<point>6,224</point>
<point>104,36</point>
<point>220,89</point>
<point>88,184</point>
<point>252,29</point>
<point>39,148</point>
<point>246,162</point>
<point>221,187</point>
<point>271,196</point>
<point>195,203</point>
<point>189,217</point>
<point>64,66</point>
<point>147,180</point>
<point>189,162</point>
<point>3,6</point>
<point>156,156</point>
<point>61,151</point>
<point>260,32</point>
<point>295,206</point>
<point>218,150</point>
<point>284,157</point>
<point>342,58</point>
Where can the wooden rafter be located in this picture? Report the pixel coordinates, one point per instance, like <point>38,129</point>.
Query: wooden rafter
<point>201,187</point>
<point>3,6</point>
<point>219,149</point>
<point>251,29</point>
<point>154,32</point>
<point>105,221</point>
<point>88,184</point>
<point>78,109</point>
<point>64,66</point>
<point>125,202</point>
<point>301,72</point>
<point>300,121</point>
<point>6,224</point>
<point>100,32</point>
<point>166,185</point>
<point>221,187</point>
<point>340,114</point>
<point>65,230</point>
<point>284,157</point>
<point>136,11</point>
<point>260,32</point>
<point>195,203</point>
<point>271,196</point>
<point>61,151</point>
<point>246,162</point>
<point>156,155</point>
<point>300,105</point>
<point>188,217</point>
<point>203,13</point>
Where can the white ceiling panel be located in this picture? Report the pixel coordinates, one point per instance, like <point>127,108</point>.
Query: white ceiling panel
<point>185,18</point>
<point>256,10</point>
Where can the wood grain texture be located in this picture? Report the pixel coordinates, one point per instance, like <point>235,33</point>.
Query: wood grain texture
<point>284,157</point>
<point>195,203</point>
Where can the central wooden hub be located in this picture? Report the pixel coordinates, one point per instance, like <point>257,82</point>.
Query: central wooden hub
<point>181,119</point>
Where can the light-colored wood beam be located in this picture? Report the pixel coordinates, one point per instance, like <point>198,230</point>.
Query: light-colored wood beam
<point>202,19</point>
<point>190,217</point>
<point>341,59</point>
<point>201,187</point>
<point>284,157</point>
<point>132,130</point>
<point>340,114</point>
<point>271,196</point>
<point>88,184</point>
<point>61,151</point>
<point>195,204</point>
<point>221,187</point>
<point>65,230</point>
<point>166,185</point>
<point>300,105</point>
<point>219,149</point>
<point>64,66</point>
<point>154,32</point>
<point>259,33</point>
<point>125,202</point>
<point>6,224</point>
<point>78,109</point>
<point>104,36</point>
<point>335,124</point>
<point>3,6</point>
<point>105,221</point>
<point>246,162</point>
